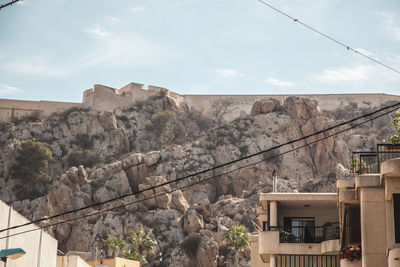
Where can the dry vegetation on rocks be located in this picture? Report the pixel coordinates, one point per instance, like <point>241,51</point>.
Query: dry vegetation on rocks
<point>156,141</point>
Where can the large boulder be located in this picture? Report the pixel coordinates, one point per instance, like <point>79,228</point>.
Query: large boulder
<point>192,222</point>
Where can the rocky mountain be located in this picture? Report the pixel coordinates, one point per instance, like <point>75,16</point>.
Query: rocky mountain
<point>98,156</point>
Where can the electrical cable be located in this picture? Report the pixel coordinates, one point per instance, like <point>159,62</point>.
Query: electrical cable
<point>204,180</point>
<point>329,37</point>
<point>203,171</point>
<point>9,3</point>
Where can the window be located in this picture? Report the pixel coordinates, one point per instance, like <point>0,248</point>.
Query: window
<point>265,226</point>
<point>396,209</point>
<point>301,228</point>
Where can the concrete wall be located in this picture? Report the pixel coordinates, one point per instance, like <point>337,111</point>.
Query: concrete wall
<point>71,261</point>
<point>255,259</point>
<point>40,247</point>
<point>114,262</point>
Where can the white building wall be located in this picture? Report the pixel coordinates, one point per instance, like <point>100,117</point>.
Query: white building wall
<point>40,247</point>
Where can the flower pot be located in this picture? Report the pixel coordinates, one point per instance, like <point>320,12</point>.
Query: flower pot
<point>347,263</point>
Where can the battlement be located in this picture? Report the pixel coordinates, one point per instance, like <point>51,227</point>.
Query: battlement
<point>102,97</point>
<point>105,98</point>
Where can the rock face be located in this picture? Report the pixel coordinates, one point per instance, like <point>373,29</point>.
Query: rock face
<point>136,158</point>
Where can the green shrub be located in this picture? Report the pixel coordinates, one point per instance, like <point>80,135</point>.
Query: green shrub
<point>161,124</point>
<point>85,157</point>
<point>29,169</point>
<point>83,141</point>
<point>395,139</point>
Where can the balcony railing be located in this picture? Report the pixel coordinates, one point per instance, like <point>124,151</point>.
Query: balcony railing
<point>307,234</point>
<point>364,162</point>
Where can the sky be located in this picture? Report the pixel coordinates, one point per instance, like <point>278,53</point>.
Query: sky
<point>56,49</point>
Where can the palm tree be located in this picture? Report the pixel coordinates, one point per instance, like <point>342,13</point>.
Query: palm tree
<point>135,247</point>
<point>115,243</point>
<point>141,244</point>
<point>238,240</point>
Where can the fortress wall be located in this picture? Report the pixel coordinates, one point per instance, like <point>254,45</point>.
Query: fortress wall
<point>142,95</point>
<point>87,98</point>
<point>50,107</point>
<point>107,99</point>
<point>244,103</point>
<point>10,109</point>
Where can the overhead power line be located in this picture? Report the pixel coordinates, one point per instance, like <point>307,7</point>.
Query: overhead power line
<point>205,170</point>
<point>329,37</point>
<point>9,3</point>
<point>203,180</point>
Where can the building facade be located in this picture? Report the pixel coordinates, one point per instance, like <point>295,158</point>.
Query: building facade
<point>296,229</point>
<point>40,247</point>
<point>359,226</point>
<point>369,211</point>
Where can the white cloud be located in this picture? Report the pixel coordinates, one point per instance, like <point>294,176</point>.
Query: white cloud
<point>228,74</point>
<point>112,20</point>
<point>121,49</point>
<point>137,9</point>
<point>34,67</point>
<point>279,83</point>
<point>373,78</point>
<point>8,89</point>
<point>111,49</point>
<point>97,31</point>
<point>345,74</point>
<point>391,22</point>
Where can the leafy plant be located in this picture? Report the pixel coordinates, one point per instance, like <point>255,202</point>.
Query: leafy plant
<point>350,253</point>
<point>114,243</point>
<point>237,240</point>
<point>161,124</point>
<point>395,139</point>
<point>134,247</point>
<point>355,164</point>
<point>85,157</point>
<point>286,236</point>
<point>29,169</point>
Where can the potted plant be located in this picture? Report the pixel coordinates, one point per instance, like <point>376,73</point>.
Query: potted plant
<point>395,139</point>
<point>350,253</point>
<point>355,166</point>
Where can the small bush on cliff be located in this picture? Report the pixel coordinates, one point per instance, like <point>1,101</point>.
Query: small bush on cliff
<point>83,141</point>
<point>161,124</point>
<point>85,157</point>
<point>29,170</point>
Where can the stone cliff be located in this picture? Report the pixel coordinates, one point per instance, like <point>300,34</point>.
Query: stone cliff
<point>155,141</point>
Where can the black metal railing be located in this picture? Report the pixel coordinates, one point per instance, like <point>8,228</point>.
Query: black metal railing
<point>364,162</point>
<point>307,234</point>
<point>387,151</point>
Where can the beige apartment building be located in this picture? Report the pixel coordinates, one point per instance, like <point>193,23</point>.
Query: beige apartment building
<point>369,206</point>
<point>359,226</point>
<point>296,229</point>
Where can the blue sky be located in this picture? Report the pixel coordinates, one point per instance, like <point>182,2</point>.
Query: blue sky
<point>55,49</point>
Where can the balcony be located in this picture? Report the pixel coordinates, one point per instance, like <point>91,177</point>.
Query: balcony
<point>367,162</point>
<point>308,234</point>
